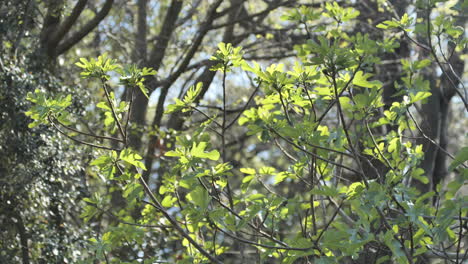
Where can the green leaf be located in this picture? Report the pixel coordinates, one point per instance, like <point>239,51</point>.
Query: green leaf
<point>418,175</point>
<point>143,90</point>
<point>227,56</point>
<point>44,108</point>
<point>422,64</point>
<point>279,177</point>
<point>198,150</point>
<point>168,201</point>
<point>84,63</point>
<point>355,189</point>
<point>106,164</point>
<point>360,79</point>
<point>200,197</point>
<point>460,158</point>
<point>266,170</point>
<point>419,96</point>
<point>246,182</point>
<point>97,68</point>
<point>133,191</point>
<point>132,76</point>
<point>130,156</point>
<point>192,93</point>
<point>362,100</point>
<point>104,105</point>
<point>177,106</point>
<point>388,24</point>
<point>173,153</point>
<point>253,197</point>
<point>423,198</point>
<point>325,191</point>
<point>382,259</point>
<point>88,213</point>
<point>340,14</point>
<point>248,171</point>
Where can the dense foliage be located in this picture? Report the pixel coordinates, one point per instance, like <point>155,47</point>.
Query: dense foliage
<point>338,154</point>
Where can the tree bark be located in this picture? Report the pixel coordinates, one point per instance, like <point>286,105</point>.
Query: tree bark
<point>155,59</point>
<point>53,32</point>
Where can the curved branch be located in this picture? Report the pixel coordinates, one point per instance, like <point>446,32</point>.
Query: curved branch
<point>315,155</point>
<point>69,22</point>
<point>243,240</point>
<point>84,133</point>
<point>428,138</point>
<point>77,140</point>
<point>86,29</point>
<point>165,89</point>
<point>169,24</point>
<point>173,221</point>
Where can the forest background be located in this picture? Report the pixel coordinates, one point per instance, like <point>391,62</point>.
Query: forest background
<point>233,131</point>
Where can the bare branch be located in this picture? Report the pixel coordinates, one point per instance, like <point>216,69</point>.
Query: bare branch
<point>64,27</point>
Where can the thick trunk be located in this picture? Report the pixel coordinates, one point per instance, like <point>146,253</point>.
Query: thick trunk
<point>440,171</point>
<point>52,37</point>
<point>141,33</point>
<point>140,103</point>
<point>388,74</point>
<point>49,27</point>
<point>430,125</point>
<point>435,112</point>
<point>440,163</point>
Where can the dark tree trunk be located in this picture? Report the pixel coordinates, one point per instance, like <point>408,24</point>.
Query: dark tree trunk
<point>154,61</point>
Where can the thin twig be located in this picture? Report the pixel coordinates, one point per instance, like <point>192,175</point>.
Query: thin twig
<point>84,133</point>
<point>111,104</point>
<point>77,140</point>
<point>245,106</point>
<point>430,139</point>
